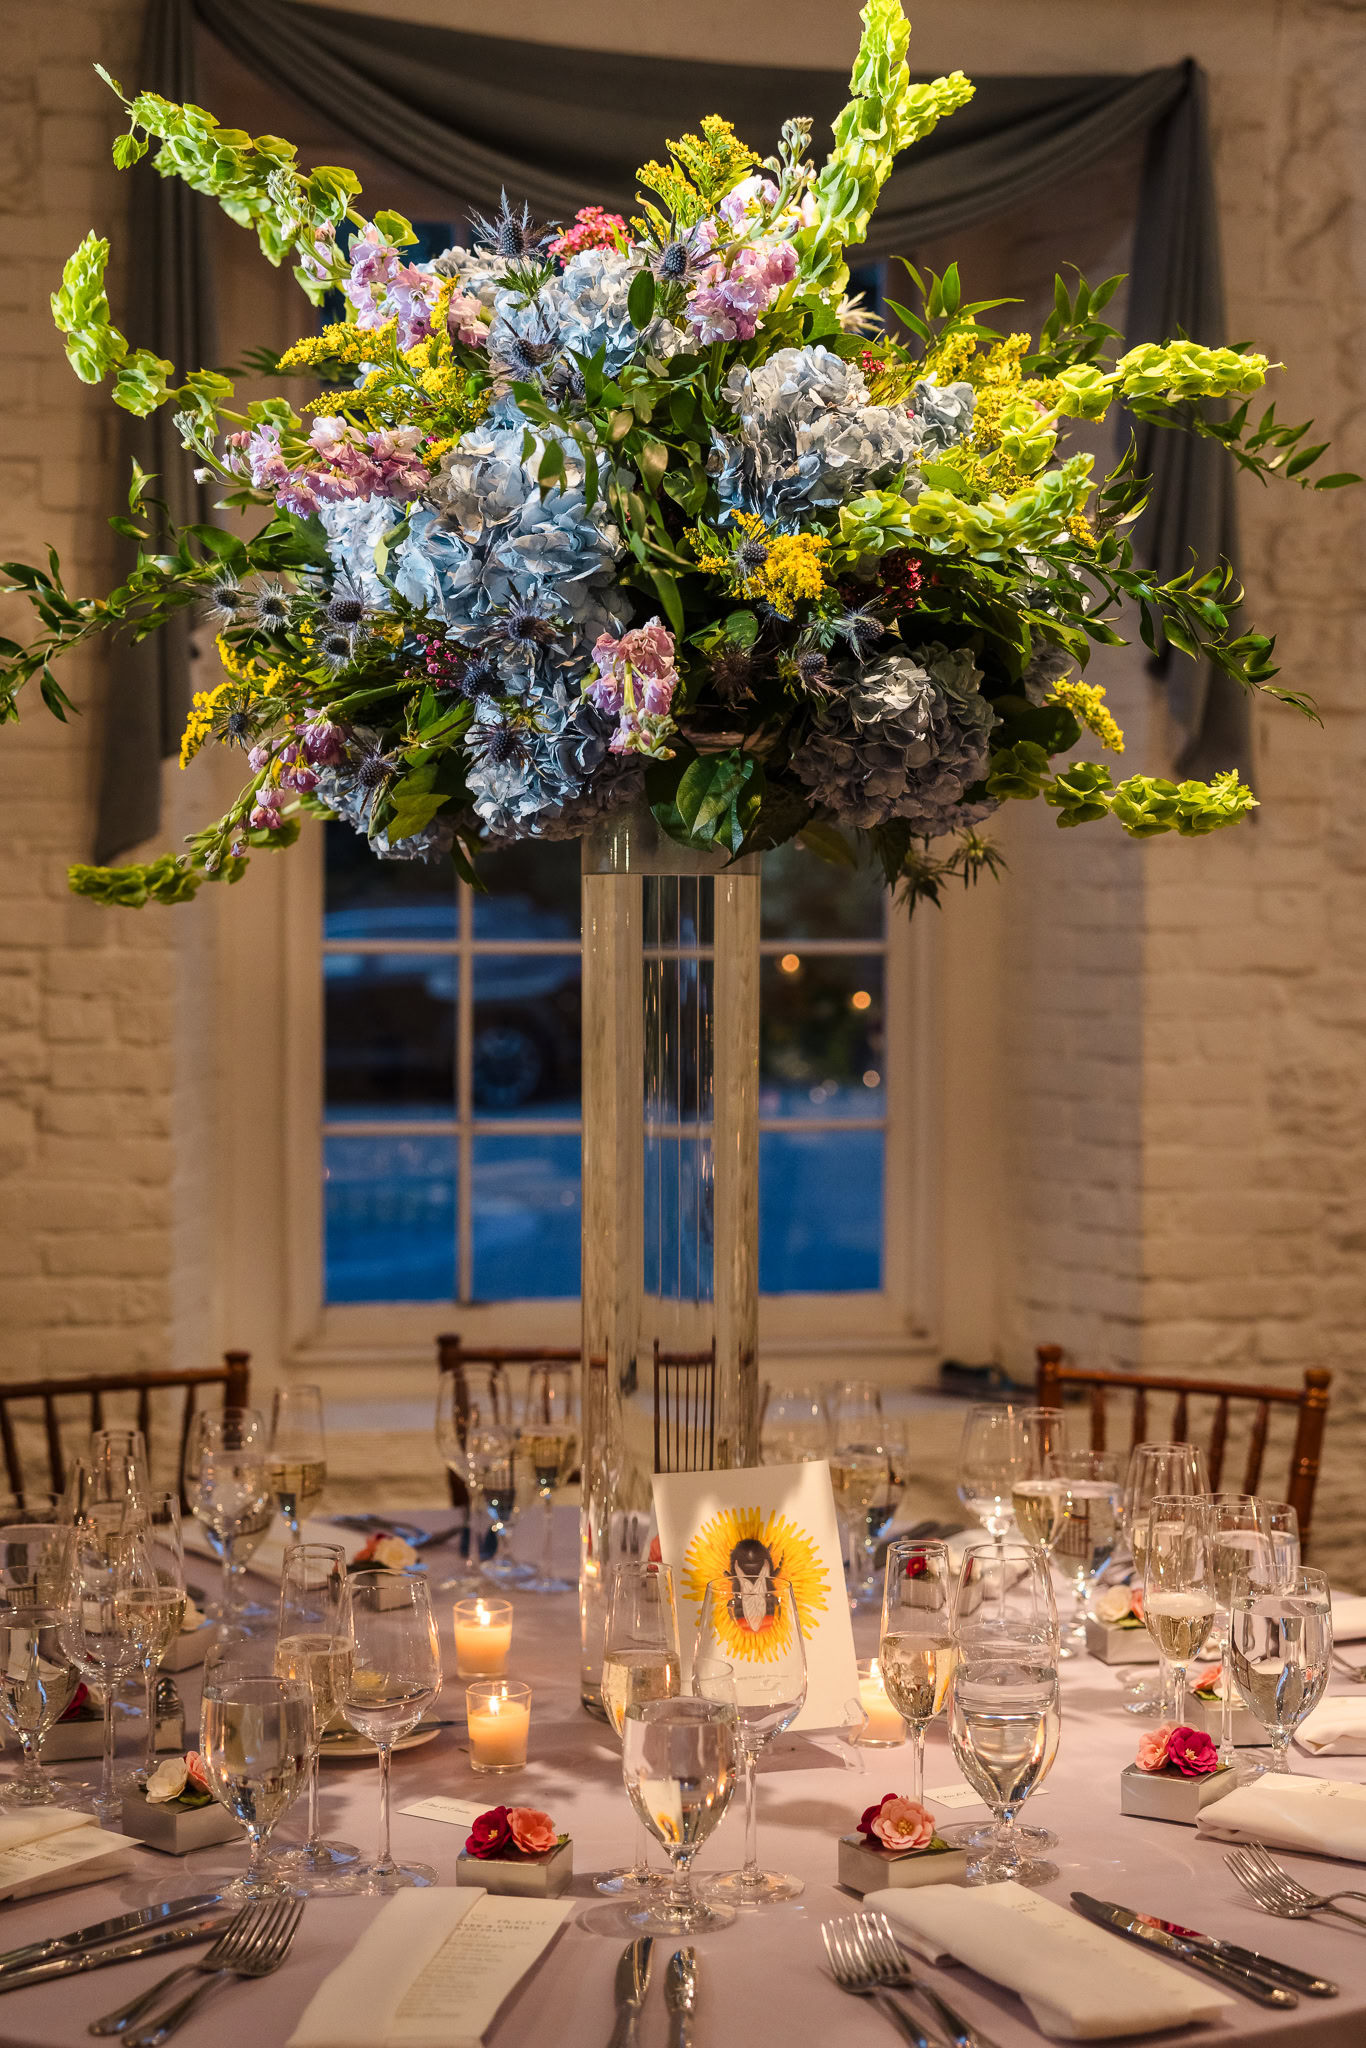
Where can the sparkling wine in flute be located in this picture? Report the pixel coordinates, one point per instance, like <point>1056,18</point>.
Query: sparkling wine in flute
<point>916,1670</point>
<point>1041,1509</point>
<point>631,1676</point>
<point>255,1756</point>
<point>1004,1743</point>
<point>324,1663</point>
<point>551,1455</point>
<point>385,1708</point>
<point>152,1616</point>
<point>1178,1622</point>
<point>856,1483</point>
<point>297,1484</point>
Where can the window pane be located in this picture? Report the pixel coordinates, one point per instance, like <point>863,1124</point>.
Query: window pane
<point>820,1212</point>
<point>369,898</point>
<point>804,897</point>
<point>390,1034</point>
<point>526,1218</point>
<point>390,1219</point>
<point>533,892</point>
<point>821,1036</point>
<point>524,1060</point>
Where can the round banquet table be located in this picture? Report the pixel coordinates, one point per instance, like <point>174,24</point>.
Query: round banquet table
<point>764,1981</point>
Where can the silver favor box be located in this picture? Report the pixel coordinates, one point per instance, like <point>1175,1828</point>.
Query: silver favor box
<point>178,1829</point>
<point>864,1868</point>
<point>1166,1795</point>
<point>1115,1645</point>
<point>1248,1732</point>
<point>521,1877</point>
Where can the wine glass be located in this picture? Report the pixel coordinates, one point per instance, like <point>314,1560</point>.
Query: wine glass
<point>1004,1597</point>
<point>794,1430</point>
<point>640,1661</point>
<point>313,1645</point>
<point>1282,1527</point>
<point>1241,1544</point>
<point>1280,1648</point>
<point>1156,1470</point>
<point>255,1732</point>
<point>37,1678</point>
<point>678,1762</point>
<point>860,1474</point>
<point>1179,1595</point>
<point>111,1614</point>
<point>854,1408</point>
<point>394,1676</point>
<point>119,1457</point>
<point>1004,1725</point>
<point>227,1482</point>
<point>469,1402</point>
<point>916,1652</point>
<point>298,1453</point>
<point>753,1625</point>
<point>1086,1543</point>
<point>986,1465</point>
<point>163,1603</point>
<point>550,1443</point>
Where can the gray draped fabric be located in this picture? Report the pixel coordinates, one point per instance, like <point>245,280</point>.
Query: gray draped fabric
<point>562,128</point>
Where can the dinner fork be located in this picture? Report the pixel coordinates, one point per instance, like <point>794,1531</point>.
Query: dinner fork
<point>876,1937</point>
<point>853,1972</point>
<point>256,1943</point>
<point>1277,1892</point>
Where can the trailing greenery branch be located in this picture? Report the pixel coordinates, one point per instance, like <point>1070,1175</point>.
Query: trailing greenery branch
<point>1145,805</point>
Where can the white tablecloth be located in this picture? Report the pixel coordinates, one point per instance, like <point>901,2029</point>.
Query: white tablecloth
<point>764,1983</point>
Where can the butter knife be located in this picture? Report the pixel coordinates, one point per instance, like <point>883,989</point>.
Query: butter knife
<point>1135,1928</point>
<point>633,1981</point>
<point>74,1962</point>
<point>100,1931</point>
<point>680,1995</point>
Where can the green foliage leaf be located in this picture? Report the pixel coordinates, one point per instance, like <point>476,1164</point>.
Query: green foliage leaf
<point>640,300</point>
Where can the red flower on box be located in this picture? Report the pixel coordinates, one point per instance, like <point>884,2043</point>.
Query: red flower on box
<point>490,1833</point>
<point>1188,1751</point>
<point>506,1832</point>
<point>897,1823</point>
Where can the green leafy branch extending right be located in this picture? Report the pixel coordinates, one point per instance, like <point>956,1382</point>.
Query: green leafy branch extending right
<point>1145,805</point>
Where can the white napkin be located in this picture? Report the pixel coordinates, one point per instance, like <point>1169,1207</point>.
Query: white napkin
<point>268,1558</point>
<point>1335,1728</point>
<point>1318,1815</point>
<point>46,1850</point>
<point>1349,1617</point>
<point>430,1971</point>
<point>1080,1983</point>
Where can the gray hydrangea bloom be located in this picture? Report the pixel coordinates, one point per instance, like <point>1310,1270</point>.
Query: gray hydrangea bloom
<point>561,775</point>
<point>578,312</point>
<point>904,738</point>
<point>353,526</point>
<point>481,272</point>
<point>809,440</point>
<point>942,413</point>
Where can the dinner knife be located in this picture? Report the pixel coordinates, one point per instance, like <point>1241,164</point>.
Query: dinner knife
<point>1132,1925</point>
<point>633,1981</point>
<point>1249,1959</point>
<point>101,1931</point>
<point>152,1942</point>
<point>680,1995</point>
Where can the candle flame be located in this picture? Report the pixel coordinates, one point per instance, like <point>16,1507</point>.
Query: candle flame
<point>481,1614</point>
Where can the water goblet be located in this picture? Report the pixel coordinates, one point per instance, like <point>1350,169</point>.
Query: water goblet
<point>678,1759</point>
<point>1086,1543</point>
<point>255,1733</point>
<point>1004,1725</point>
<point>38,1681</point>
<point>227,1483</point>
<point>394,1676</point>
<point>987,1464</point>
<point>112,1613</point>
<point>470,1401</point>
<point>794,1429</point>
<point>1280,1651</point>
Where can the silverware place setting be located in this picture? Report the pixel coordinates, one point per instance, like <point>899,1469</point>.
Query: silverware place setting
<point>149,1931</point>
<point>867,1960</point>
<point>632,1983</point>
<point>1276,1891</point>
<point>254,1945</point>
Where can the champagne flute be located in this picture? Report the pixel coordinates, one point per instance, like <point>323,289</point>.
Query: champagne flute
<point>678,1762</point>
<point>550,1444</point>
<point>1004,1725</point>
<point>860,1476</point>
<point>1038,1501</point>
<point>1241,1545</point>
<point>916,1653</point>
<point>163,1603</point>
<point>298,1453</point>
<point>37,1678</point>
<point>753,1625</point>
<point>1091,1481</point>
<point>314,1646</point>
<point>1281,1649</point>
<point>1004,1601</point>
<point>640,1661</point>
<point>110,1616</point>
<point>254,1736</point>
<point>227,1482</point>
<point>794,1430</point>
<point>395,1675</point>
<point>1156,1470</point>
<point>469,1401</point>
<point>493,1473</point>
<point>986,1465</point>
<point>1179,1596</point>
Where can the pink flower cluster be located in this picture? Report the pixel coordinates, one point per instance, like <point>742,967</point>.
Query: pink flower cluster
<point>898,1823</point>
<point>382,288</point>
<point>734,291</point>
<point>594,228</point>
<point>510,1831</point>
<point>319,744</point>
<point>638,678</point>
<point>1187,1750</point>
<point>346,464</point>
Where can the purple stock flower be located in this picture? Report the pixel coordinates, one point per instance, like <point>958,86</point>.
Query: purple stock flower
<point>732,294</point>
<point>324,743</point>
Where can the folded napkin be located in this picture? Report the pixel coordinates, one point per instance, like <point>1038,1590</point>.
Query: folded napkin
<point>1335,1728</point>
<point>1349,1617</point>
<point>268,1558</point>
<point>1080,1983</point>
<point>430,1971</point>
<point>46,1850</point>
<point>1319,1815</point>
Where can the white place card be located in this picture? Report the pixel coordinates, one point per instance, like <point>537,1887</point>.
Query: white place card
<point>430,1971</point>
<point>42,1852</point>
<point>458,1813</point>
<point>962,1794</point>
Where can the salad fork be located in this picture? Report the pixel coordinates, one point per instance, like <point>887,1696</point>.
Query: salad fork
<point>853,1972</point>
<point>877,1940</point>
<point>254,1945</point>
<point>1277,1892</point>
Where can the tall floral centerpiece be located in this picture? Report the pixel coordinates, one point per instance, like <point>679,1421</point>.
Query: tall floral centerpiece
<point>640,532</point>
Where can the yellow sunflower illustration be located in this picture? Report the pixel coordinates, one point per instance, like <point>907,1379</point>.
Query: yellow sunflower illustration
<point>745,1553</point>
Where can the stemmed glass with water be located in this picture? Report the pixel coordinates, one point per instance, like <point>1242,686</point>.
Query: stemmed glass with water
<point>1005,1725</point>
<point>255,1736</point>
<point>767,1682</point>
<point>1090,1481</point>
<point>314,1645</point>
<point>1242,1543</point>
<point>550,1444</point>
<point>988,1458</point>
<point>795,1429</point>
<point>1004,1609</point>
<point>916,1652</point>
<point>113,1614</point>
<point>228,1485</point>
<point>1280,1650</point>
<point>38,1680</point>
<point>394,1676</point>
<point>640,1662</point>
<point>469,1403</point>
<point>163,1603</point>
<point>679,1759</point>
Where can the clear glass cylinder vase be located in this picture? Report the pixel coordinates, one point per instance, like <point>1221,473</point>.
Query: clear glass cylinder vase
<point>670,1183</point>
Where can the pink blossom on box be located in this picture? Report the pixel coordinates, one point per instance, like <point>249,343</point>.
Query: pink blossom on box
<point>902,1824</point>
<point>533,1832</point>
<point>1152,1747</point>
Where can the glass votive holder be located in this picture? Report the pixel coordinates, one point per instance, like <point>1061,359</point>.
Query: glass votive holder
<point>483,1637</point>
<point>882,1727</point>
<point>498,1715</point>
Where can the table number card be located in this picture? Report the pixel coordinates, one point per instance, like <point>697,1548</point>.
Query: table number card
<point>785,1517</point>
<point>457,1813</point>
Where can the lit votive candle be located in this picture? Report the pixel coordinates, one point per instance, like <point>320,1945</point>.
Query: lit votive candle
<point>498,1713</point>
<point>483,1637</point>
<point>883,1727</point>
